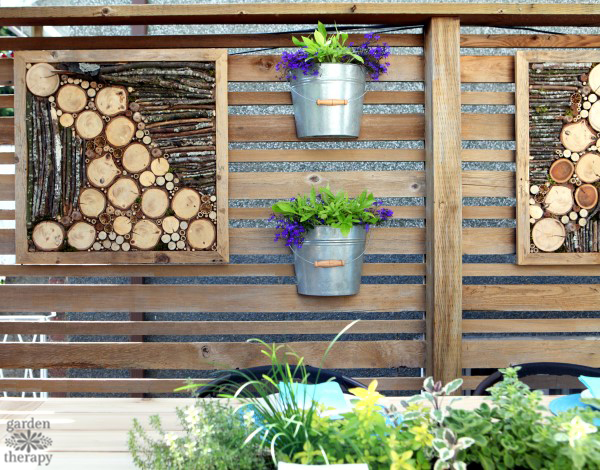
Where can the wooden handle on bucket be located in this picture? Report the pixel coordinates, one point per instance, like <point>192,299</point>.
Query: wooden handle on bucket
<point>330,263</point>
<point>332,102</point>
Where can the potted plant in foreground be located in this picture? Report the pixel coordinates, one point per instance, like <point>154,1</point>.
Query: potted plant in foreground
<point>328,79</point>
<point>327,233</point>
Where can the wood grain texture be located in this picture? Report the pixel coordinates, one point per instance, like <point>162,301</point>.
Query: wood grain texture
<point>566,325</point>
<point>479,14</point>
<point>444,199</point>
<point>205,356</point>
<point>204,298</point>
<point>502,353</point>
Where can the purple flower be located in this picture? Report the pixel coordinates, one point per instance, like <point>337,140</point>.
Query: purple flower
<point>289,230</point>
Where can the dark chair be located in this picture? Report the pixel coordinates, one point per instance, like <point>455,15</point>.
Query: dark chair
<point>231,381</point>
<point>539,368</point>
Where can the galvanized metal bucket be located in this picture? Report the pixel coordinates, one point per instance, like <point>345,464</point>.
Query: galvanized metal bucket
<point>329,264</point>
<point>330,104</point>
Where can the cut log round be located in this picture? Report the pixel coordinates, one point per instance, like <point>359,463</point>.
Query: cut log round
<point>170,224</point>
<point>48,236</point>
<point>577,136</point>
<point>201,234</point>
<point>594,79</point>
<point>122,225</point>
<point>548,234</point>
<point>42,80</point>
<point>66,120</point>
<point>562,170</point>
<point>159,166</point>
<point>101,172</point>
<point>92,202</point>
<point>145,235</point>
<point>123,193</point>
<point>111,100</point>
<point>71,98</point>
<point>536,212</point>
<point>586,197</point>
<point>594,116</point>
<point>588,168</point>
<point>136,158</point>
<point>155,202</point>
<point>89,125</point>
<point>120,131</point>
<point>81,236</point>
<point>147,178</point>
<point>186,203</point>
<point>559,200</point>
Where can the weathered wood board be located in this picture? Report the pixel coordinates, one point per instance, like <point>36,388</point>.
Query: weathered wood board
<point>121,157</point>
<point>558,157</point>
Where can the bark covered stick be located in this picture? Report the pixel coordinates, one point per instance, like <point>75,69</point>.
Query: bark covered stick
<point>156,65</point>
<point>207,120</point>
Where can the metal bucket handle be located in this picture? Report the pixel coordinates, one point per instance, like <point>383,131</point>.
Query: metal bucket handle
<point>334,262</point>
<point>329,101</point>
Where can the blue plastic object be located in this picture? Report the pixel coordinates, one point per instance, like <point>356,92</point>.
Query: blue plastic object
<point>569,402</point>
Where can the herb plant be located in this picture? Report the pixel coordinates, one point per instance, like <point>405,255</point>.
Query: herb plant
<point>211,437</point>
<point>322,47</point>
<point>294,218</point>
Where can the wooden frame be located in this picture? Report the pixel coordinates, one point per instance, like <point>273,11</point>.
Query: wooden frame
<point>522,64</point>
<point>221,255</point>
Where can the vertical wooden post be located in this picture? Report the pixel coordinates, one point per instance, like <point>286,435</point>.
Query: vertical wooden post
<point>139,29</point>
<point>443,199</point>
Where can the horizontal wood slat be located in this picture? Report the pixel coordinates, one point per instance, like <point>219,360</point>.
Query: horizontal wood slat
<point>241,270</point>
<point>259,241</point>
<point>536,382</point>
<point>206,356</point>
<point>578,41</point>
<point>158,385</point>
<point>523,298</point>
<point>187,328</point>
<point>7,158</point>
<point>203,298</point>
<point>7,101</point>
<point>567,325</point>
<point>281,13</point>
<point>502,353</point>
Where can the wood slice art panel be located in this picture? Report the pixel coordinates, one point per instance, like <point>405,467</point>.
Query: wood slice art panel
<point>125,154</point>
<point>558,157</point>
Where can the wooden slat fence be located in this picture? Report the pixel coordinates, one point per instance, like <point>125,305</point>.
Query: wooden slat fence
<point>511,313</point>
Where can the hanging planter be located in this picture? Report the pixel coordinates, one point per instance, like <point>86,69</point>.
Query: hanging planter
<point>328,81</point>
<point>327,234</point>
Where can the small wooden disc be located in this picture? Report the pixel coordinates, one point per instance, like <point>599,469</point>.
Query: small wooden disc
<point>588,167</point>
<point>136,158</point>
<point>559,200</point>
<point>536,212</point>
<point>562,170</point>
<point>71,98</point>
<point>145,235</point>
<point>186,203</point>
<point>111,100</point>
<point>159,166</point>
<point>42,80</point>
<point>81,235</point>
<point>102,171</point>
<point>48,236</point>
<point>201,234</point>
<point>147,178</point>
<point>155,202</point>
<point>577,136</point>
<point>594,79</point>
<point>120,131</point>
<point>123,193</point>
<point>66,120</point>
<point>89,125</point>
<point>586,197</point>
<point>170,224</point>
<point>122,225</point>
<point>547,234</point>
<point>594,116</point>
<point>91,202</point>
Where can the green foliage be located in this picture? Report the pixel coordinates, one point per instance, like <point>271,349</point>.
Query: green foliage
<point>516,432</point>
<point>326,208</point>
<point>327,48</point>
<point>211,438</point>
